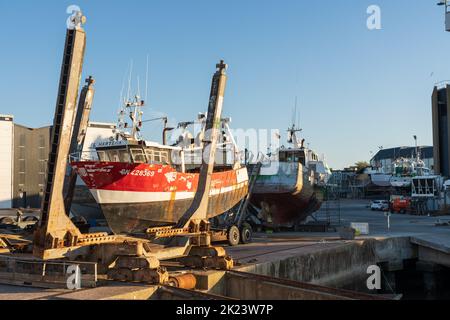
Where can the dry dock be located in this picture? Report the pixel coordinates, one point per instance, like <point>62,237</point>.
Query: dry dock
<point>299,265</point>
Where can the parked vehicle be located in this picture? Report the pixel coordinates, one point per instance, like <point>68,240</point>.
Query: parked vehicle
<point>401,205</point>
<point>379,205</point>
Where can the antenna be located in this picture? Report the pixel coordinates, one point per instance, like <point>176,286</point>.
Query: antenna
<point>139,87</point>
<point>146,82</point>
<point>129,80</point>
<point>293,118</point>
<point>121,92</point>
<point>296,102</point>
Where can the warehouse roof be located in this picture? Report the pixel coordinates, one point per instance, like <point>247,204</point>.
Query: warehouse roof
<point>405,152</point>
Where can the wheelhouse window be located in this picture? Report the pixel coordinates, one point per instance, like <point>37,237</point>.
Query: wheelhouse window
<point>124,155</point>
<point>164,157</point>
<point>157,156</point>
<point>149,153</point>
<point>138,156</point>
<point>114,155</point>
<point>292,156</point>
<point>103,156</point>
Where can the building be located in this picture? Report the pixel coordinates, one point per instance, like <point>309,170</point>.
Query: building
<point>441,124</point>
<point>31,148</point>
<point>385,158</point>
<point>23,160</point>
<point>6,160</point>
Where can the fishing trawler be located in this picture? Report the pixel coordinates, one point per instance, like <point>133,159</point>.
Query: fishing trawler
<point>405,169</point>
<point>140,184</point>
<point>288,190</point>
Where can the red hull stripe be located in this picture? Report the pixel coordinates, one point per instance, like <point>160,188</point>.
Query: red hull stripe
<point>157,179</point>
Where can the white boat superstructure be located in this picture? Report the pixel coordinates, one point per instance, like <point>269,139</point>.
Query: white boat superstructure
<point>404,169</point>
<point>317,167</point>
<point>378,177</point>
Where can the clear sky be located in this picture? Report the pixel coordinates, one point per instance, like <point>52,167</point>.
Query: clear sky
<point>357,89</point>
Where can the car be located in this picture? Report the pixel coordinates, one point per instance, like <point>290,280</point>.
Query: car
<point>379,205</point>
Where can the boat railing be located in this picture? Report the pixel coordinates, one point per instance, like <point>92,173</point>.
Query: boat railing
<point>83,156</point>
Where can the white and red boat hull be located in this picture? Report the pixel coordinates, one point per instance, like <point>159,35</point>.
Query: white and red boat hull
<point>134,197</point>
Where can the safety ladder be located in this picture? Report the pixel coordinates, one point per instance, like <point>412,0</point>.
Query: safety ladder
<point>241,213</point>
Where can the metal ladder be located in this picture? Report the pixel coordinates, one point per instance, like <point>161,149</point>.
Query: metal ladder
<point>241,213</point>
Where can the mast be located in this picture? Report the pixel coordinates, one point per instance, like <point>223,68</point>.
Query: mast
<point>132,109</point>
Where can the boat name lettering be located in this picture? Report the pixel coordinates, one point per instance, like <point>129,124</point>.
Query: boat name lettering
<point>110,143</point>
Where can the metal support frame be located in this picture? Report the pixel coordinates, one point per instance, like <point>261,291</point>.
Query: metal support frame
<point>199,207</point>
<point>56,235</point>
<point>123,258</point>
<point>55,228</point>
<point>79,134</point>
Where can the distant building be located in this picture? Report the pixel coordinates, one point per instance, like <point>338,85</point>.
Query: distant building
<point>385,158</point>
<point>23,160</point>
<point>441,125</point>
<point>6,160</point>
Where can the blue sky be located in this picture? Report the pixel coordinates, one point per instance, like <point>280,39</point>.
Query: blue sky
<point>357,89</point>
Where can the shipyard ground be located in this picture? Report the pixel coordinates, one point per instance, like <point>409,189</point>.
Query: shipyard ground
<point>290,265</point>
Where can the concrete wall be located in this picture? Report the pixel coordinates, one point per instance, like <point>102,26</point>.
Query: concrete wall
<point>341,266</point>
<point>6,163</point>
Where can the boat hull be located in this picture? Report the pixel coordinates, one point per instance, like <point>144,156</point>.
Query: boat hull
<point>401,182</point>
<point>134,197</point>
<point>286,197</point>
<point>381,180</point>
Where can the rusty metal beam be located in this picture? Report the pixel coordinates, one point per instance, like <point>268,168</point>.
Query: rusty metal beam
<point>55,229</point>
<point>79,134</point>
<point>199,207</point>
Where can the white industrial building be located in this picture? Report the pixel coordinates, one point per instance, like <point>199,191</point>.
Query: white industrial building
<point>23,158</point>
<point>6,160</point>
